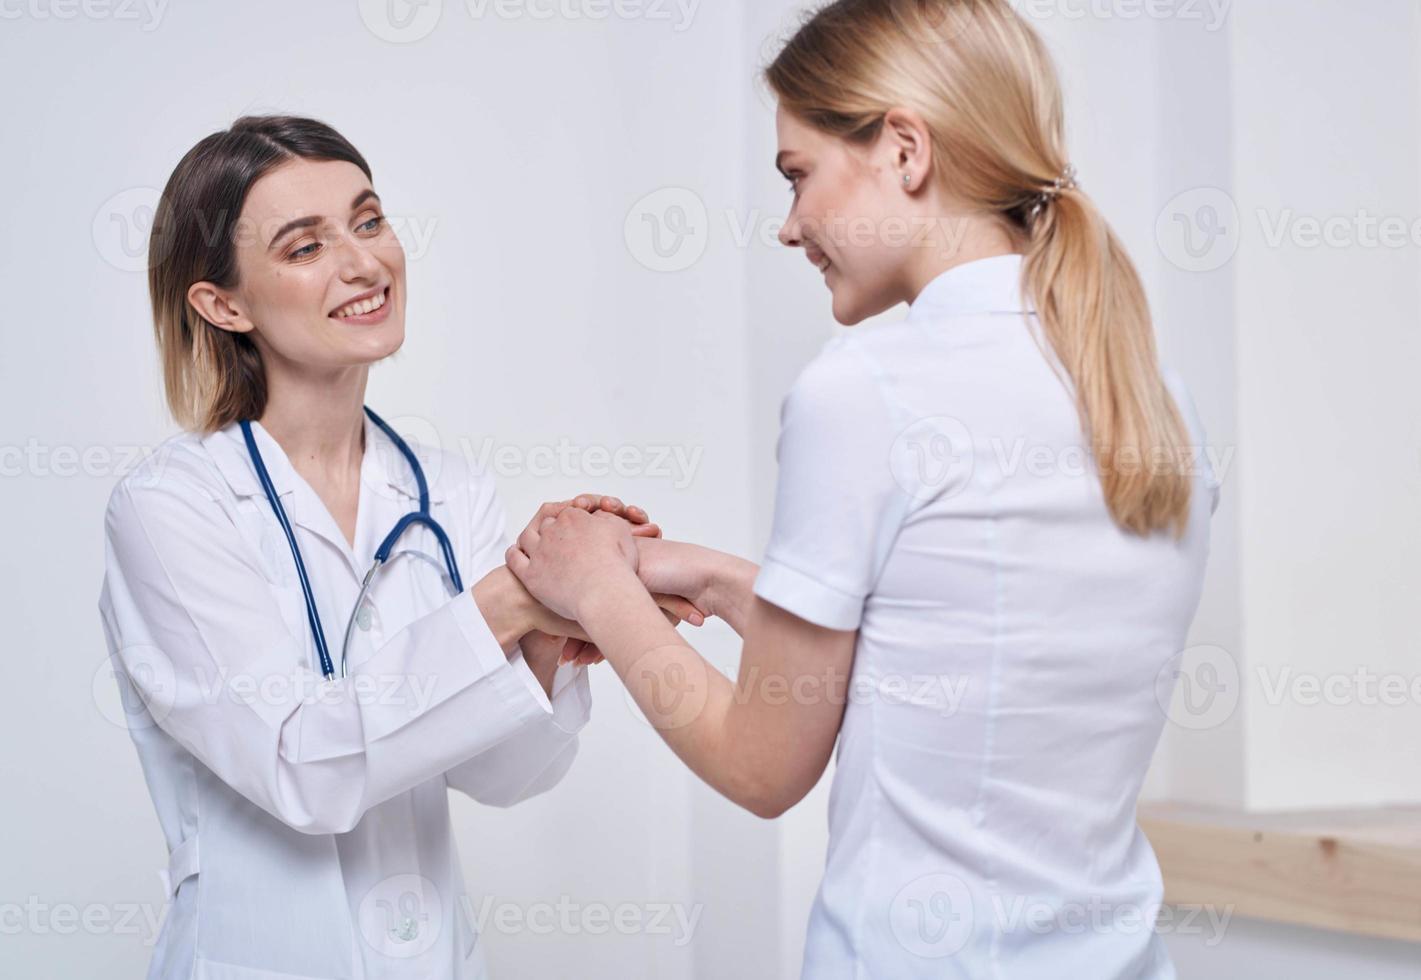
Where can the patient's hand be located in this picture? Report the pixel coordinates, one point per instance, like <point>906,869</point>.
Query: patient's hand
<point>572,648</point>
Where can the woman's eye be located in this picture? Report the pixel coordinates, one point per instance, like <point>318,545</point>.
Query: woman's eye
<point>305,250</point>
<point>373,224</point>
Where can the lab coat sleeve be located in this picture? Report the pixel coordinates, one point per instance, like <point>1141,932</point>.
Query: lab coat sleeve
<point>200,635</point>
<point>838,506</point>
<point>539,754</point>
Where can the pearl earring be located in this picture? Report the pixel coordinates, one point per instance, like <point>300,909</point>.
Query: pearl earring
<point>907,179</point>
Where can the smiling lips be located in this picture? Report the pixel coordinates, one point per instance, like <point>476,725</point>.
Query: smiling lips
<point>370,308</point>
<point>819,260</point>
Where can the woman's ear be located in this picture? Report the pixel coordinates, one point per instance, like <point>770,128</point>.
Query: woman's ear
<point>910,146</point>
<point>218,307</point>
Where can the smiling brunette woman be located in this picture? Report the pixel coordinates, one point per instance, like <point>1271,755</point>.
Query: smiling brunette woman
<point>307,817</point>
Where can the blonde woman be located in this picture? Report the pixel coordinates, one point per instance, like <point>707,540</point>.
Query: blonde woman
<point>988,539</point>
<point>300,711</point>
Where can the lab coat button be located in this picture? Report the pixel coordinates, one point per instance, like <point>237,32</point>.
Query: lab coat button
<point>362,616</point>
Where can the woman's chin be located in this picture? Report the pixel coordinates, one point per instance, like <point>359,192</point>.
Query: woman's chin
<point>847,311</point>
<point>377,345</point>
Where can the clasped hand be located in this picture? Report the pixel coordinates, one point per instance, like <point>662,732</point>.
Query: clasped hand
<point>573,547</point>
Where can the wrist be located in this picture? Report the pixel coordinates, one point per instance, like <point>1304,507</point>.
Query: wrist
<point>607,593</point>
<point>730,587</point>
<point>505,605</point>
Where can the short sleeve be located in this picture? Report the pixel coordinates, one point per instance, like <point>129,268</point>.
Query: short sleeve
<point>837,504</point>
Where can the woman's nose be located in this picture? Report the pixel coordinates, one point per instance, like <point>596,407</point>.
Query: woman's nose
<point>789,233</point>
<point>357,260</point>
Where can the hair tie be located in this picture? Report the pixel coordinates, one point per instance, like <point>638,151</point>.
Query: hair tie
<point>1065,182</point>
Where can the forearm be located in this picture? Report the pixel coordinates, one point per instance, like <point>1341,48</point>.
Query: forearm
<point>689,702</point>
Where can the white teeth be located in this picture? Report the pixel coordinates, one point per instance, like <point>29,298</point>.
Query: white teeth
<point>364,306</point>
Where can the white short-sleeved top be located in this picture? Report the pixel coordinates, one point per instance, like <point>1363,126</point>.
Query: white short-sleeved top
<point>307,821</point>
<point>1015,648</point>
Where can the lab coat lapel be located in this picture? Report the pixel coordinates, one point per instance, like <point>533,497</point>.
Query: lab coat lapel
<point>302,504</point>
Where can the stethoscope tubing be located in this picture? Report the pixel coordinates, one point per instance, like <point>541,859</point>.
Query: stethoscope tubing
<point>382,554</point>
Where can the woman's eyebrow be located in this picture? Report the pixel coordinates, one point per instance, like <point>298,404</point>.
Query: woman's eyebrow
<point>306,222</point>
<point>311,220</point>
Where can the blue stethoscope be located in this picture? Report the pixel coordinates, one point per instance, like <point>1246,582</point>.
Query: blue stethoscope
<point>382,553</point>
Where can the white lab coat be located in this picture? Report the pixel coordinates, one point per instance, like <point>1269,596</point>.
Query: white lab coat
<point>308,820</point>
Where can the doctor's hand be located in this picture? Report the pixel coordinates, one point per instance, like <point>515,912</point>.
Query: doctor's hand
<point>600,504</point>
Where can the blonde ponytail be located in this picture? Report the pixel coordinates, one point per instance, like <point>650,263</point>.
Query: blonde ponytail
<point>981,78</point>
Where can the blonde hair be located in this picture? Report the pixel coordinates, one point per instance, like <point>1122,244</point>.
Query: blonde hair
<point>983,81</point>
<point>214,377</point>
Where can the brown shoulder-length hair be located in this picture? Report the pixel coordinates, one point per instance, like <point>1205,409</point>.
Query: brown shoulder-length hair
<point>214,377</point>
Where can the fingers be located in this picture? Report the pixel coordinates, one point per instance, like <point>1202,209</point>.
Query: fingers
<point>681,608</point>
<point>580,653</point>
<point>607,503</point>
<point>516,561</point>
<point>646,530</point>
